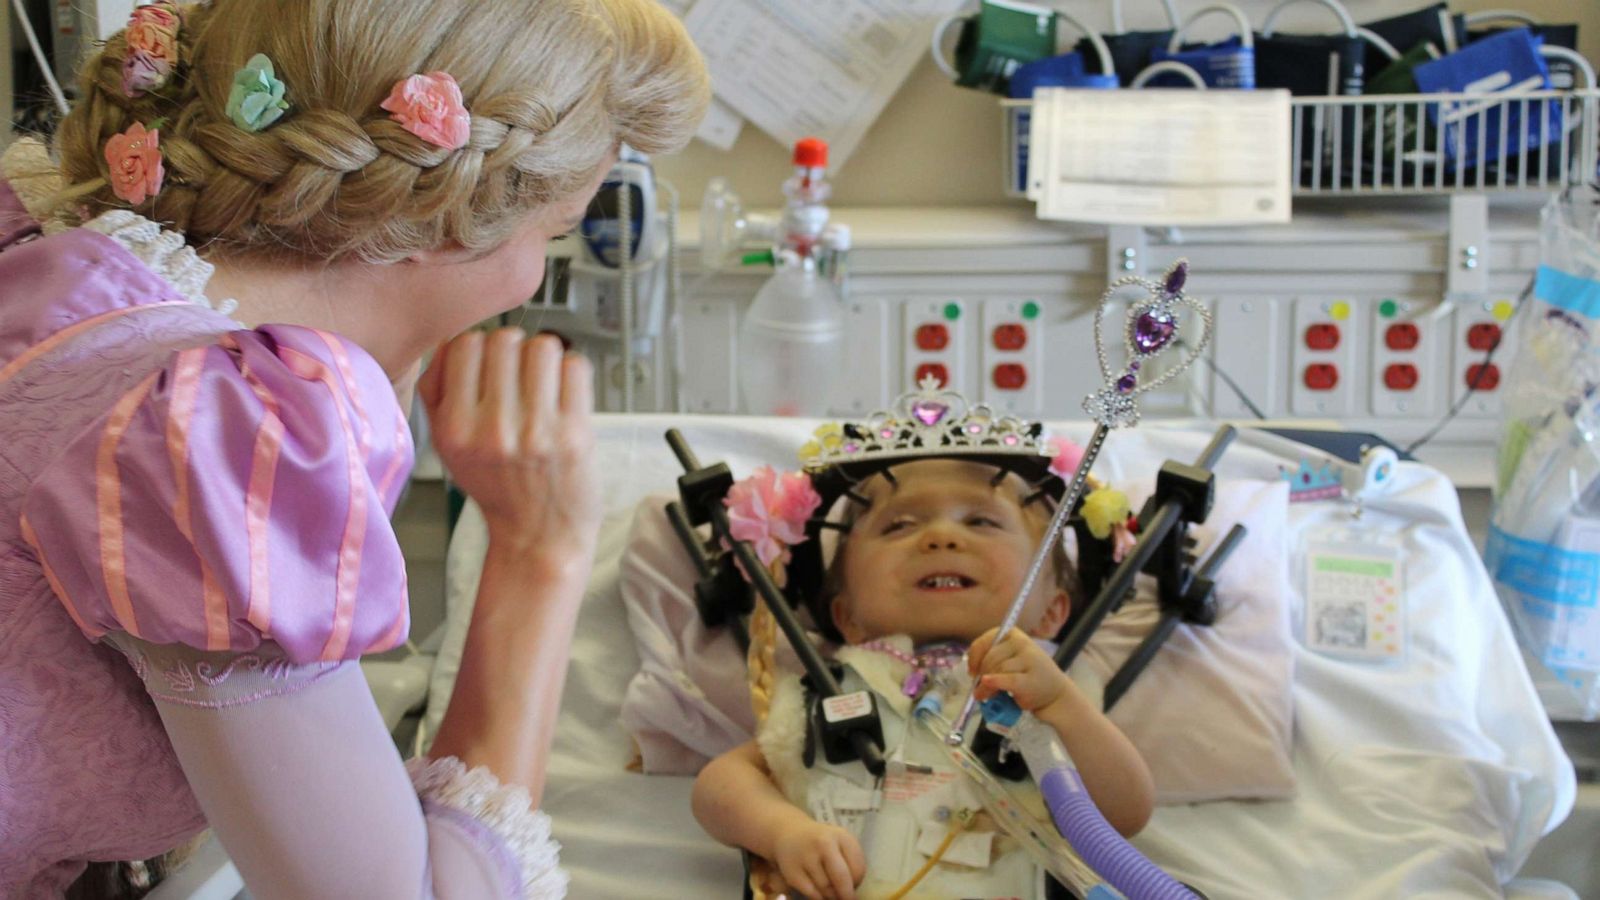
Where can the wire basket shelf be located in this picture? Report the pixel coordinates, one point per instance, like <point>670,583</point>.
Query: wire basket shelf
<point>1409,144</point>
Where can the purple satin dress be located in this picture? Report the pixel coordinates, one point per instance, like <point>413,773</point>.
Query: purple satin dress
<point>210,504</point>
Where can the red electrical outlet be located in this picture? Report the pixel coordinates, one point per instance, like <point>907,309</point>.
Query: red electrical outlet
<point>932,337</point>
<point>1488,380</point>
<point>1400,377</point>
<point>1484,336</point>
<point>937,370</point>
<point>1322,376</point>
<point>1322,336</point>
<point>1010,337</point>
<point>1010,376</point>
<point>1402,336</point>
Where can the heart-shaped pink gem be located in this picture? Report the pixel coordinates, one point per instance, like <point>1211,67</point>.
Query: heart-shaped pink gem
<point>1152,332</point>
<point>929,412</point>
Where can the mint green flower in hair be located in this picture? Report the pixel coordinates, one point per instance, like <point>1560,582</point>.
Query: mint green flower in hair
<point>256,99</point>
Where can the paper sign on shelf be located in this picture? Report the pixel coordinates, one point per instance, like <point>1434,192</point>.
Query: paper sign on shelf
<point>1161,157</point>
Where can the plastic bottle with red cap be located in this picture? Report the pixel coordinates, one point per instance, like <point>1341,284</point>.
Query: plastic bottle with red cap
<point>805,215</point>
<point>791,341</point>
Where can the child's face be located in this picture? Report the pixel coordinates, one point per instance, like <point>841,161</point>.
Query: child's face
<point>940,555</point>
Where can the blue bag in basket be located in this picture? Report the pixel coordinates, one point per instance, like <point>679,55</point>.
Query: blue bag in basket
<point>1226,64</point>
<point>1498,68</point>
<point>1066,70</point>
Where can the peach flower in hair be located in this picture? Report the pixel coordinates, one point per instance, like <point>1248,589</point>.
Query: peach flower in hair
<point>153,30</point>
<point>430,107</point>
<point>135,161</point>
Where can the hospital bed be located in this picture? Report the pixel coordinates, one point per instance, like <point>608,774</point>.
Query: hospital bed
<point>1431,777</point>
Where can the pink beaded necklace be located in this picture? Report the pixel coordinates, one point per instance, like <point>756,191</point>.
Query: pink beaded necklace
<point>935,658</point>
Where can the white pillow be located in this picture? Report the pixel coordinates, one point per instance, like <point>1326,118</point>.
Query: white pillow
<point>1212,714</point>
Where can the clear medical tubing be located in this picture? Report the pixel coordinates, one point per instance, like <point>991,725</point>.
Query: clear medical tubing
<point>1081,822</point>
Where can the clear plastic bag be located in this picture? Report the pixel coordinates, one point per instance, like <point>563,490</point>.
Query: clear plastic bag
<point>1544,542</point>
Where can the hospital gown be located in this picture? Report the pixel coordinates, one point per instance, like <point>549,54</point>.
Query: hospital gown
<point>195,549</point>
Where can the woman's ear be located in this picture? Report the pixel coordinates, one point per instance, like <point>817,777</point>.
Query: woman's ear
<point>1054,616</point>
<point>449,255</point>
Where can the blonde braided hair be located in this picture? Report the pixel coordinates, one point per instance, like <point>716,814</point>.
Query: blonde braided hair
<point>552,87</point>
<point>761,662</point>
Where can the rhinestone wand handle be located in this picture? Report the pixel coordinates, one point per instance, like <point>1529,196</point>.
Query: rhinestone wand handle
<point>1052,535</point>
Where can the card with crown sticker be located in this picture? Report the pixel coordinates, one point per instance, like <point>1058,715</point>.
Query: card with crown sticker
<point>1354,588</point>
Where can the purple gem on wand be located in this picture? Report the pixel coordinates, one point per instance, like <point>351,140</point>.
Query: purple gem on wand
<point>1176,278</point>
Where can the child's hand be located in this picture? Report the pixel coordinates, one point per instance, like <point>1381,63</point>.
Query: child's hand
<point>821,861</point>
<point>1018,666</point>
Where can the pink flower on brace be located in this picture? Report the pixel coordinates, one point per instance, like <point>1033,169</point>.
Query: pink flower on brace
<point>430,107</point>
<point>135,160</point>
<point>770,511</point>
<point>1067,456</point>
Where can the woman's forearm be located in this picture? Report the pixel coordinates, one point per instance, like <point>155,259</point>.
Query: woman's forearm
<point>502,713</point>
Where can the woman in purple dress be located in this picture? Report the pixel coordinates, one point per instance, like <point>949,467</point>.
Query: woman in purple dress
<point>215,290</point>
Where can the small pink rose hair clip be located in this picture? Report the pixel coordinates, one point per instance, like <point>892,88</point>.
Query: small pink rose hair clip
<point>134,158</point>
<point>430,107</point>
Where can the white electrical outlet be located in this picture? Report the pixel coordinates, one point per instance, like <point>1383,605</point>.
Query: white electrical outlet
<point>1011,342</point>
<point>1322,378</point>
<point>1071,371</point>
<point>1479,324</point>
<point>1247,344</point>
<point>866,383</point>
<point>935,341</point>
<point>710,378</point>
<point>1406,380</point>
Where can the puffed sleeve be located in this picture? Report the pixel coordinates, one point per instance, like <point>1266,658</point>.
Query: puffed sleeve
<point>239,494</point>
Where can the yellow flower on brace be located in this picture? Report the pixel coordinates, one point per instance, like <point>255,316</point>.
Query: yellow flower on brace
<point>830,434</point>
<point>1104,508</point>
<point>810,451</point>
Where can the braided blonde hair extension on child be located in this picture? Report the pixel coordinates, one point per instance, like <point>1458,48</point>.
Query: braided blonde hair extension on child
<point>552,86</point>
<point>762,664</point>
<point>762,659</point>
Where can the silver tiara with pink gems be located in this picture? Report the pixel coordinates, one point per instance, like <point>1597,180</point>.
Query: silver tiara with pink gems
<point>927,422</point>
<point>1151,327</point>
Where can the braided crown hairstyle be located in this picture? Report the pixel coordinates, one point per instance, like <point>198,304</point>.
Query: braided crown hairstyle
<point>552,86</point>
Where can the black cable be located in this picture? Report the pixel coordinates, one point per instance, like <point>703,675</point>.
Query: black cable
<point>1472,386</point>
<point>1233,385</point>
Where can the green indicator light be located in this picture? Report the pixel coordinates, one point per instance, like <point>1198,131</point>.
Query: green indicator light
<point>1030,310</point>
<point>1388,308</point>
<point>952,311</point>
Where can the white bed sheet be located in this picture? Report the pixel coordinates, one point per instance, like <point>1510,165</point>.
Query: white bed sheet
<point>1431,778</point>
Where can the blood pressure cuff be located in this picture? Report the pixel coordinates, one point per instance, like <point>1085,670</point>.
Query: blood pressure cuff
<point>1317,65</point>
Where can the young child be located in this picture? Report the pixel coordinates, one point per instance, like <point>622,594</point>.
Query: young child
<point>930,565</point>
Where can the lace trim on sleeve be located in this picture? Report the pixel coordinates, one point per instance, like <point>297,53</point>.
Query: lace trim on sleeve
<point>174,673</point>
<point>163,252</point>
<point>505,810</point>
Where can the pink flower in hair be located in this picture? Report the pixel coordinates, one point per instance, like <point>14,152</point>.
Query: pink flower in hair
<point>135,160</point>
<point>1067,456</point>
<point>430,107</point>
<point>142,72</point>
<point>770,511</point>
<point>153,30</point>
